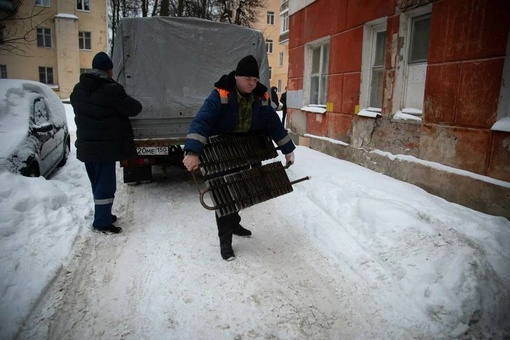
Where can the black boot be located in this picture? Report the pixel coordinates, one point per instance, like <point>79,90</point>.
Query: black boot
<point>227,253</point>
<point>111,229</point>
<point>240,231</point>
<point>225,227</point>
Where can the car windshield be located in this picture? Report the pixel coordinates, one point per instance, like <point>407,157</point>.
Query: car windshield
<point>15,108</point>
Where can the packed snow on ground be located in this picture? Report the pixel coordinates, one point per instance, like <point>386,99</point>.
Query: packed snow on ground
<point>349,254</point>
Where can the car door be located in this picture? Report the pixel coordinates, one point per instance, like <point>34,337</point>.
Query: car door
<point>43,130</point>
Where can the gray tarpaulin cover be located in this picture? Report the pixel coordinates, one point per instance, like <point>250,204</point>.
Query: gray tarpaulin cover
<point>171,64</point>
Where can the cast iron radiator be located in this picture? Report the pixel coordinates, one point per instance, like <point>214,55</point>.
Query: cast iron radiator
<point>237,180</point>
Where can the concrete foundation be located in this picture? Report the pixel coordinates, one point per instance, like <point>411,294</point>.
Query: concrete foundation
<point>477,194</point>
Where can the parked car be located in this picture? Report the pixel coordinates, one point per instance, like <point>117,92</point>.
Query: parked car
<point>34,137</point>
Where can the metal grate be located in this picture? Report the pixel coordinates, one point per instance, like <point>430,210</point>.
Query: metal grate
<point>227,152</point>
<point>234,186</point>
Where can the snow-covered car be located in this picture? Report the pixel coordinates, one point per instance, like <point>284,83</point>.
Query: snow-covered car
<point>34,137</point>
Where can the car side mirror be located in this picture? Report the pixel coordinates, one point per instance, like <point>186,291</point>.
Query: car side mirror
<point>44,127</point>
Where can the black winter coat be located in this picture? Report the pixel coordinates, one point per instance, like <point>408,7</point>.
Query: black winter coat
<point>102,110</point>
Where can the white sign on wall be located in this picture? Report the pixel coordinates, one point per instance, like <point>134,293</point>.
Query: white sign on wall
<point>297,5</point>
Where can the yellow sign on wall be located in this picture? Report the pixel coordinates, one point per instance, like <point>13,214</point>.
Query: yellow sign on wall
<point>329,106</point>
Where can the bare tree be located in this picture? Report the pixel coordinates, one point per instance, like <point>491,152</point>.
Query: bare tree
<point>16,29</point>
<point>119,9</point>
<point>246,12</point>
<point>238,12</point>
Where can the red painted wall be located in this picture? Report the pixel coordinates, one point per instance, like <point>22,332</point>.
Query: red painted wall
<point>466,56</point>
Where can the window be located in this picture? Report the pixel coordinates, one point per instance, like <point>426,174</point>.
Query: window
<point>284,27</point>
<point>279,85</point>
<point>83,5</point>
<point>270,72</point>
<point>372,68</point>
<point>377,72</point>
<point>269,46</point>
<point>416,68</point>
<point>46,75</point>
<point>45,3</point>
<point>409,90</point>
<point>280,59</point>
<point>316,72</point>
<point>503,120</point>
<point>40,112</point>
<point>43,37</point>
<point>84,40</point>
<point>270,18</point>
<point>3,71</point>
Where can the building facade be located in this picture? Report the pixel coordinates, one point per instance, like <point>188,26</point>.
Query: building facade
<point>273,23</point>
<point>62,37</point>
<point>426,79</point>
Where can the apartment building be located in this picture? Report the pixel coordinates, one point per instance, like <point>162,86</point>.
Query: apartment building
<point>62,38</point>
<point>274,24</point>
<point>408,87</point>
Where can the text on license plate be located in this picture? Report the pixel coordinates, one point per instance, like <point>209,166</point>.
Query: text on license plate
<point>152,150</point>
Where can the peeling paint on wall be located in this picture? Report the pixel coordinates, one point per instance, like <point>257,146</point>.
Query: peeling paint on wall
<point>362,131</point>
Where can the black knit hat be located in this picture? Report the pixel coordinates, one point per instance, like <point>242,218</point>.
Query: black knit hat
<point>102,61</point>
<point>248,67</point>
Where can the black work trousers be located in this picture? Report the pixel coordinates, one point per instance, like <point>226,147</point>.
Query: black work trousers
<point>226,224</point>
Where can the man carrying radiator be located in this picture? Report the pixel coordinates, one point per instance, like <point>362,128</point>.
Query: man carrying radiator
<point>239,103</point>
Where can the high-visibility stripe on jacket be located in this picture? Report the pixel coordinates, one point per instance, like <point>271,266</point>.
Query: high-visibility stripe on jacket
<point>224,97</point>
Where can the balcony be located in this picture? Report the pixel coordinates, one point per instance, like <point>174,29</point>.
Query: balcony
<point>283,39</point>
<point>284,6</point>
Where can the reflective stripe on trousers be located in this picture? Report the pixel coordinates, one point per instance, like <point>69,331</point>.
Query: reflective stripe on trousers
<point>104,184</point>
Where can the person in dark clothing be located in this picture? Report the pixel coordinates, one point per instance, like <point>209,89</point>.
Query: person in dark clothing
<point>239,103</point>
<point>274,98</point>
<point>103,134</point>
<point>283,100</point>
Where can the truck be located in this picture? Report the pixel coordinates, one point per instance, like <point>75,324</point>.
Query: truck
<point>170,65</point>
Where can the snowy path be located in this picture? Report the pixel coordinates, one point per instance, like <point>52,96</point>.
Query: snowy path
<point>279,286</point>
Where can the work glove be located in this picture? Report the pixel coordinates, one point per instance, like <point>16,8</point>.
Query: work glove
<point>289,158</point>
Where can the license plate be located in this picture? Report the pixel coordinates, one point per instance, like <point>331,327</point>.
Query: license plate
<point>152,150</point>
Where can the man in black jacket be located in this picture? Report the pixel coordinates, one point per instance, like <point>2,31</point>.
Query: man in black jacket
<point>103,135</point>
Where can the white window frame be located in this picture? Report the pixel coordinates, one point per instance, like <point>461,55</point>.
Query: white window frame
<point>44,32</point>
<point>269,46</point>
<point>399,107</point>
<point>270,18</point>
<point>43,3</point>
<point>270,72</point>
<point>284,21</point>
<point>83,3</point>
<point>82,40</point>
<point>307,82</point>
<point>370,31</point>
<point>503,115</point>
<point>280,59</point>
<point>279,85</point>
